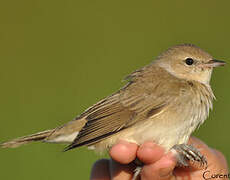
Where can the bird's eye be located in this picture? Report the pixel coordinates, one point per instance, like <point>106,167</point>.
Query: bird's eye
<point>189,61</point>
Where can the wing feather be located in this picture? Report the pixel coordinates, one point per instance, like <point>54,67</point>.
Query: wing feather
<point>140,99</point>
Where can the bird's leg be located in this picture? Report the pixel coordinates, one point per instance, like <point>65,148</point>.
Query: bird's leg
<point>188,154</point>
<point>138,168</point>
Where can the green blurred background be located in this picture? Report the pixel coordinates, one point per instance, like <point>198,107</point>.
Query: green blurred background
<point>59,57</point>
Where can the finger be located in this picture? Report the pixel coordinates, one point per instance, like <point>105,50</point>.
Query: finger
<point>149,152</point>
<point>221,157</point>
<point>100,170</point>
<point>123,152</point>
<point>121,171</point>
<point>161,169</point>
<point>201,146</point>
<point>213,157</point>
<point>198,143</point>
<point>218,154</point>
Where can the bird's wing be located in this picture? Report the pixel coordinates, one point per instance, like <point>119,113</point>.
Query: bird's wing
<point>103,119</point>
<point>137,101</point>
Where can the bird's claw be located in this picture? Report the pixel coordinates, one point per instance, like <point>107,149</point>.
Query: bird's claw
<point>187,153</point>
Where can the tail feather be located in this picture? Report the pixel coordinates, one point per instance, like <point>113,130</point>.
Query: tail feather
<point>26,139</point>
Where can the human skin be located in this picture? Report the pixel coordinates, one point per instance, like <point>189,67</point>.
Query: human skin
<point>158,164</point>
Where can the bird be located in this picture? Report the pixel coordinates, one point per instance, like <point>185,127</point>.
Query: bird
<point>163,102</point>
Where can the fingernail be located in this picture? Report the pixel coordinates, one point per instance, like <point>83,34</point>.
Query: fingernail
<point>165,172</point>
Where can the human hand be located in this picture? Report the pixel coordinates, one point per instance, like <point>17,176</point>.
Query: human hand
<point>158,165</point>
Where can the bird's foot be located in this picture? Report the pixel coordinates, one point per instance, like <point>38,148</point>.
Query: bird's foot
<point>187,154</point>
<point>136,173</point>
<point>137,170</point>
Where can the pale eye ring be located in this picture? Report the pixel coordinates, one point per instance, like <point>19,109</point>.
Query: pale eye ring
<point>189,61</point>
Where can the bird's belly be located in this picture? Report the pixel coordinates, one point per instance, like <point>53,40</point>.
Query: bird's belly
<point>166,136</point>
<point>167,129</point>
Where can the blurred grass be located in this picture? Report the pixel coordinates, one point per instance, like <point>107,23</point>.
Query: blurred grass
<point>59,57</point>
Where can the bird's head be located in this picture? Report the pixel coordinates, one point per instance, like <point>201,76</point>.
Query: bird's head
<point>189,62</point>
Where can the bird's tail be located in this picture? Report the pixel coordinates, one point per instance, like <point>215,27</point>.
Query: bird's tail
<point>26,139</point>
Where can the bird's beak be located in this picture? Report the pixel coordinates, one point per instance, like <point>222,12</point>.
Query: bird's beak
<point>214,63</point>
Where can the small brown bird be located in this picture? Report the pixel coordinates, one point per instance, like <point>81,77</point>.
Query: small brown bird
<point>163,102</point>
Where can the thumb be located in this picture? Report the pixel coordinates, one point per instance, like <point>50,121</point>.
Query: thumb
<point>160,170</point>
